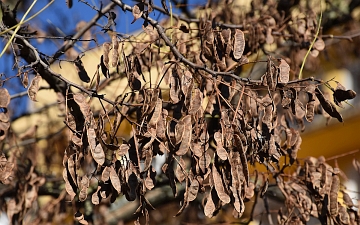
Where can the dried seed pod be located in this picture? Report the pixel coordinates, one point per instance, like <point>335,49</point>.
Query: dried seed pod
<point>209,207</point>
<point>186,82</point>
<point>249,191</point>
<point>68,187</point>
<point>174,88</point>
<point>25,79</point>
<point>319,44</point>
<point>115,180</point>
<point>268,112</point>
<point>333,204</point>
<point>80,99</point>
<point>180,170</point>
<point>123,149</point>
<point>271,74</point>
<point>238,202</point>
<point>115,53</point>
<point>105,175</point>
<point>137,11</point>
<point>343,215</point>
<point>220,150</point>
<point>83,186</point>
<point>341,94</point>
<point>95,199</point>
<point>242,153</point>
<point>98,154</point>
<point>269,37</point>
<point>71,167</point>
<point>161,125</point>
<point>347,200</point>
<point>327,105</point>
<point>34,87</point>
<point>239,44</point>
<point>196,101</point>
<point>204,162</point>
<point>81,70</point>
<point>193,190</point>
<point>186,138</point>
<point>310,111</point>
<point>219,186</point>
<point>106,49</point>
<point>179,131</point>
<point>156,114</point>
<point>284,70</point>
<point>80,218</point>
<point>4,98</point>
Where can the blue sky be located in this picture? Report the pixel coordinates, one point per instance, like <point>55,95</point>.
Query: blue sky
<point>59,18</point>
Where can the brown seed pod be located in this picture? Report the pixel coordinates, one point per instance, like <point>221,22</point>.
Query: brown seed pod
<point>137,11</point>
<point>284,70</point>
<point>242,153</point>
<point>81,70</point>
<point>328,106</point>
<point>341,94</point>
<point>310,110</point>
<point>4,98</point>
<point>34,87</point>
<point>219,186</point>
<point>68,187</point>
<point>196,101</point>
<point>186,138</point>
<point>239,44</point>
<point>347,199</point>
<point>156,114</point>
<point>106,51</point>
<point>319,44</point>
<point>174,88</point>
<point>209,207</point>
<point>193,190</point>
<point>333,204</point>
